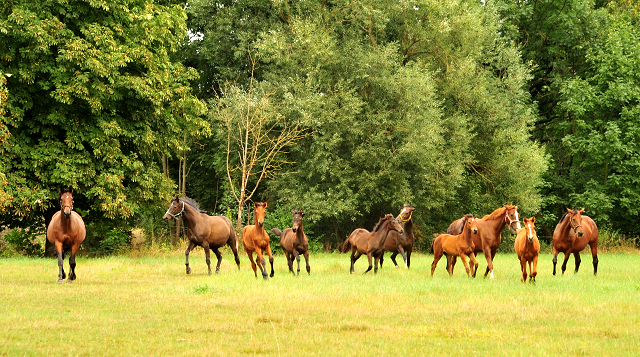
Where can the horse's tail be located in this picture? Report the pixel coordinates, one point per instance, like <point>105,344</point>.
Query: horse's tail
<point>346,245</point>
<point>276,231</point>
<point>232,233</point>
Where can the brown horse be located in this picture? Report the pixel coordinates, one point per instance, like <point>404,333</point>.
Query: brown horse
<point>66,231</point>
<point>255,239</point>
<point>294,242</point>
<point>460,245</point>
<point>489,228</point>
<point>208,232</point>
<point>401,243</point>
<point>527,247</point>
<point>361,241</point>
<point>572,234</point>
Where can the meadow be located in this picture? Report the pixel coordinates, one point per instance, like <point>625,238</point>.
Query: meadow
<point>146,305</point>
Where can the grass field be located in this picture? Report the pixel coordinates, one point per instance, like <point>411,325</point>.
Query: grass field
<point>131,305</point>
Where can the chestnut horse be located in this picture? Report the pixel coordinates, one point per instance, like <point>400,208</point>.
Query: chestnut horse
<point>255,239</point>
<point>361,241</point>
<point>489,227</point>
<point>527,247</point>
<point>460,245</point>
<point>401,242</point>
<point>66,231</point>
<point>572,234</point>
<point>208,232</point>
<point>294,242</point>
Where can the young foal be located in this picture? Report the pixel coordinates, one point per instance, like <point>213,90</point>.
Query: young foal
<point>255,239</point>
<point>527,247</point>
<point>66,231</point>
<point>460,245</point>
<point>361,241</point>
<point>401,242</point>
<point>294,242</point>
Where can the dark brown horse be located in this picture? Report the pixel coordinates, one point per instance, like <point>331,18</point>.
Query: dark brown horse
<point>255,239</point>
<point>294,242</point>
<point>361,241</point>
<point>572,234</point>
<point>66,231</point>
<point>489,227</point>
<point>401,243</point>
<point>460,245</point>
<point>208,232</point>
<point>527,248</point>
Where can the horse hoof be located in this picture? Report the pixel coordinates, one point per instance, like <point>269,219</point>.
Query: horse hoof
<point>60,281</point>
<point>188,271</point>
<point>217,271</point>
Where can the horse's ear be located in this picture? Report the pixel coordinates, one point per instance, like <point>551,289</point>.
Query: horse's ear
<point>569,210</point>
<point>533,219</point>
<point>71,192</point>
<point>265,204</point>
<point>581,211</point>
<point>293,211</point>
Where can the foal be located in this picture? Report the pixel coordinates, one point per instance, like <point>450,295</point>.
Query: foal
<point>460,245</point>
<point>255,239</point>
<point>527,247</point>
<point>294,242</point>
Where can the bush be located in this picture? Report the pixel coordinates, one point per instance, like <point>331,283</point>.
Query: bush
<point>27,242</point>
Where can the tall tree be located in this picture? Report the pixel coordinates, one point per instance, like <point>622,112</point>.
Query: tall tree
<point>95,99</point>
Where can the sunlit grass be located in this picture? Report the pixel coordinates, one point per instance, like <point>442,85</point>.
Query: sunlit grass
<point>139,305</point>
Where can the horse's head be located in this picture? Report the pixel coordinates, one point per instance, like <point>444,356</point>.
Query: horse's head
<point>575,219</point>
<point>471,223</point>
<point>406,214</point>
<point>66,200</point>
<point>175,210</point>
<point>529,225</point>
<point>297,219</point>
<point>511,217</point>
<point>258,213</point>
<point>394,224</point>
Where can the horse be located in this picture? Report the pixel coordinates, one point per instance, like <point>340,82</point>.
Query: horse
<point>460,245</point>
<point>489,228</point>
<point>255,239</point>
<point>527,247</point>
<point>572,234</point>
<point>208,232</point>
<point>401,243</point>
<point>294,242</point>
<point>66,231</point>
<point>361,241</point>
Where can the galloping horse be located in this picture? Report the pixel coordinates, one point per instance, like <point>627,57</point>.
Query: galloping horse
<point>527,247</point>
<point>370,243</point>
<point>460,245</point>
<point>489,228</point>
<point>208,232</point>
<point>401,242</point>
<point>294,242</point>
<point>572,234</point>
<point>255,239</point>
<point>66,231</point>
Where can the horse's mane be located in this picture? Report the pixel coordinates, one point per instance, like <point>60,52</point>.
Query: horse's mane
<point>381,222</point>
<point>498,212</point>
<point>191,202</point>
<point>465,218</point>
<point>575,211</point>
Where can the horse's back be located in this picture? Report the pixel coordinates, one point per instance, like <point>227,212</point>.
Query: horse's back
<point>286,239</point>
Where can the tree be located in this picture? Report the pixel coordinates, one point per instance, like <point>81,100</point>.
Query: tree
<point>94,101</point>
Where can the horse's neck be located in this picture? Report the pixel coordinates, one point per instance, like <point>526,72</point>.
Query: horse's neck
<point>190,215</point>
<point>496,223</point>
<point>381,235</point>
<point>300,233</point>
<point>466,236</point>
<point>408,228</point>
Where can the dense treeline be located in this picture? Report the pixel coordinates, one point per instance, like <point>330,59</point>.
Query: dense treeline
<point>451,106</point>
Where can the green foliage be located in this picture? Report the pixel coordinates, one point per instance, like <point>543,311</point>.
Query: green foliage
<point>27,242</point>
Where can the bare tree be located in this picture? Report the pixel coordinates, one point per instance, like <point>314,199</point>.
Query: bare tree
<point>257,137</point>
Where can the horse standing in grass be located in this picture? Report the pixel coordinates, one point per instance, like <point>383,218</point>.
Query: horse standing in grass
<point>294,242</point>
<point>572,234</point>
<point>489,227</point>
<point>401,243</point>
<point>66,231</point>
<point>255,239</point>
<point>460,245</point>
<point>208,232</point>
<point>361,241</point>
<point>527,247</point>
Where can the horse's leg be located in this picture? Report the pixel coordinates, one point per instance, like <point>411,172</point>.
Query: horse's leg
<point>489,256</point>
<point>474,264</point>
<point>72,262</point>
<point>234,249</point>
<point>306,259</point>
<point>369,256</point>
<point>270,260</point>
<point>393,258</point>
<point>454,259</point>
<point>60,251</point>
<point>555,260</point>
<point>523,268</point>
<point>381,260</point>
<point>450,264</point>
<point>564,263</point>
<point>404,256</point>
<point>216,251</point>
<point>594,254</point>
<point>436,258</point>
<point>262,263</point>
<point>297,256</point>
<point>534,271</point>
<point>466,264</point>
<point>186,256</point>
<point>289,261</point>
<point>375,264</point>
<point>578,260</point>
<point>205,246</point>
<point>409,257</point>
<point>253,264</point>
<point>355,255</point>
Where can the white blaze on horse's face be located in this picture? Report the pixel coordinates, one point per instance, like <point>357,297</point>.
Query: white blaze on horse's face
<point>530,235</point>
<point>517,221</point>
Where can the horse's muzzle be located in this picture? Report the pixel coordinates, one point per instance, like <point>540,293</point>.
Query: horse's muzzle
<point>579,233</point>
<point>166,218</point>
<point>475,231</point>
<point>294,229</point>
<point>261,223</point>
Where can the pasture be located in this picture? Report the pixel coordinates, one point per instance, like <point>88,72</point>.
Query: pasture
<point>147,305</point>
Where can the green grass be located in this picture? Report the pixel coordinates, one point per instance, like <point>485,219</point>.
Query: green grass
<point>148,306</point>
